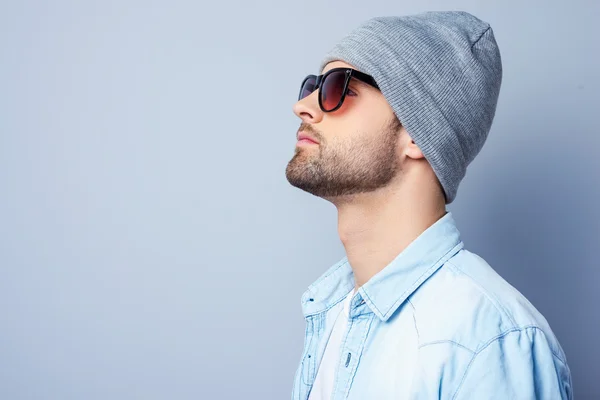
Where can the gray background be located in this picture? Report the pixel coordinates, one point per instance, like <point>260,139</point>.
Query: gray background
<point>150,245</point>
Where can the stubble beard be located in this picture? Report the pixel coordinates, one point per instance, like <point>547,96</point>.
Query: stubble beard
<point>334,168</point>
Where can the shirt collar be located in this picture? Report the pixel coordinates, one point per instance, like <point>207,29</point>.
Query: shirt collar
<point>391,286</point>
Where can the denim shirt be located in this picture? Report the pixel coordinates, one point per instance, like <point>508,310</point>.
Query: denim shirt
<point>436,323</point>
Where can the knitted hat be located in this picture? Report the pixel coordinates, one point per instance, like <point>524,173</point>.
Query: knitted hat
<point>441,74</point>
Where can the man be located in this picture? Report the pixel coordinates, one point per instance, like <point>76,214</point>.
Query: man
<point>402,106</point>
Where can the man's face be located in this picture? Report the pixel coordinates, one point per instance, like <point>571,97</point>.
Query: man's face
<point>357,149</point>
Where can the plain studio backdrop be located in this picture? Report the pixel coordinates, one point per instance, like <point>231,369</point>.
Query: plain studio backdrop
<point>150,244</point>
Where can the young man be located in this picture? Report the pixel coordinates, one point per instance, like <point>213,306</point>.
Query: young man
<point>403,105</point>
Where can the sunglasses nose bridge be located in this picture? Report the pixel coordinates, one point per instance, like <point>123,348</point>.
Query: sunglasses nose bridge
<point>318,82</point>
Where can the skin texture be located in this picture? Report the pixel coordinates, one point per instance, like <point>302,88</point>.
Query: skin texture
<point>368,167</point>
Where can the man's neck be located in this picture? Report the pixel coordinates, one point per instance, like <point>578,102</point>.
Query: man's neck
<point>374,230</point>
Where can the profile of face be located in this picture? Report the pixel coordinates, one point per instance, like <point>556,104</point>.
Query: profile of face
<point>357,149</point>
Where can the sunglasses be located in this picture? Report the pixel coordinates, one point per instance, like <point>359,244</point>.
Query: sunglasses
<point>333,86</point>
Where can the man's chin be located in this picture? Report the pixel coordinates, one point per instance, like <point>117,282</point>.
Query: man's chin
<point>302,183</point>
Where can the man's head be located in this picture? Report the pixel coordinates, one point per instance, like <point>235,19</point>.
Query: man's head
<point>437,78</point>
<point>357,144</point>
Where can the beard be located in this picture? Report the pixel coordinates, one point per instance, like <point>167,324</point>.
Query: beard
<point>341,168</point>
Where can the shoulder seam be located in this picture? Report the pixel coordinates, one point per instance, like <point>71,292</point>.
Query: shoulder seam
<point>493,300</point>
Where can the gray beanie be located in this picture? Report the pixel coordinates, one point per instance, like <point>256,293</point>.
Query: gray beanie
<point>441,74</point>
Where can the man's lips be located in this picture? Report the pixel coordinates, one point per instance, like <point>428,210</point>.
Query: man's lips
<point>304,137</point>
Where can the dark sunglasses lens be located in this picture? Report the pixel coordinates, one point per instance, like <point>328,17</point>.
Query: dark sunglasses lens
<point>332,90</point>
<point>308,86</point>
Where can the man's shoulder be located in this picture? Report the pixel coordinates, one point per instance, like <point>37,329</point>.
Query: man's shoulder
<point>466,302</point>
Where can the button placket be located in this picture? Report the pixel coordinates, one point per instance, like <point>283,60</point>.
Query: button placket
<point>309,360</point>
<point>356,337</point>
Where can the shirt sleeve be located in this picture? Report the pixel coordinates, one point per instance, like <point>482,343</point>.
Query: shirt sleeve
<point>519,364</point>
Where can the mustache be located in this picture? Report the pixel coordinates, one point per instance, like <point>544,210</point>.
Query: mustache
<point>304,127</point>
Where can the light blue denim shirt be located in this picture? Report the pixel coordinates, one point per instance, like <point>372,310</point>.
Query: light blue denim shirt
<point>436,323</point>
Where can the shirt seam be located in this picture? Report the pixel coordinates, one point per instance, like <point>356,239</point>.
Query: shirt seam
<point>491,298</point>
<point>415,320</point>
<point>492,340</point>
<point>447,341</point>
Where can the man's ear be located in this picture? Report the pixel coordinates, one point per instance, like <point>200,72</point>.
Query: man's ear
<point>412,150</point>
